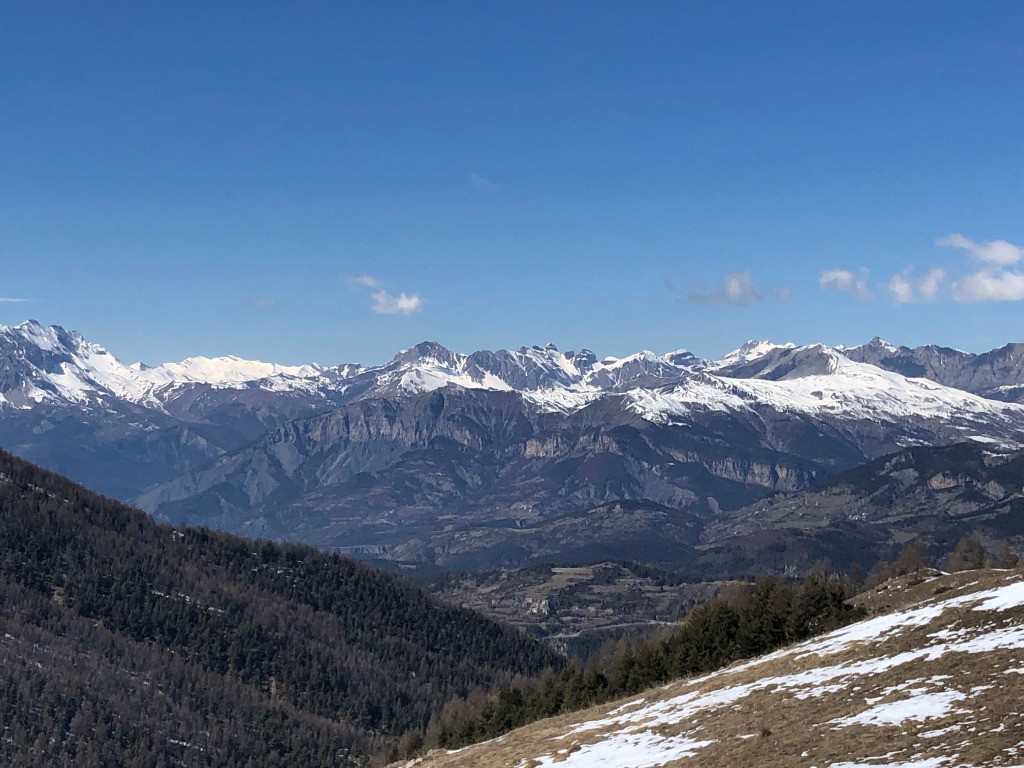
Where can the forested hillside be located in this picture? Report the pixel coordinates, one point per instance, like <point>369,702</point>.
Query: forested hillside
<point>751,621</point>
<point>127,642</point>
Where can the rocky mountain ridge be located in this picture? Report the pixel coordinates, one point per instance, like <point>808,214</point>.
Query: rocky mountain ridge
<point>479,460</point>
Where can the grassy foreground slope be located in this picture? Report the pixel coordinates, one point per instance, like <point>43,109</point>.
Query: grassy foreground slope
<point>125,642</point>
<point>932,683</point>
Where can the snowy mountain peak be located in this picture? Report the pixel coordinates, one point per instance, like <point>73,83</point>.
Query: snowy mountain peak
<point>879,345</point>
<point>752,350</point>
<point>428,350</point>
<point>684,358</point>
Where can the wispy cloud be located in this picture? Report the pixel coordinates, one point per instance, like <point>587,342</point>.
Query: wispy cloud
<point>8,300</point>
<point>845,280</point>
<point>478,182</point>
<point>385,303</point>
<point>904,289</point>
<point>262,302</point>
<point>997,253</point>
<point>736,288</point>
<point>363,281</point>
<point>993,280</point>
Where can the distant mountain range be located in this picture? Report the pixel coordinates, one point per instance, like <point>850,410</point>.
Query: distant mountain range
<point>490,458</point>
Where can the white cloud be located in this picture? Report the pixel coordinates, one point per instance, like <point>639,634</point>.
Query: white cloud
<point>990,285</point>
<point>7,300</point>
<point>385,303</point>
<point>845,280</point>
<point>735,288</point>
<point>363,281</point>
<point>905,290</point>
<point>993,280</point>
<point>901,289</point>
<point>262,302</point>
<point>994,252</point>
<point>931,283</point>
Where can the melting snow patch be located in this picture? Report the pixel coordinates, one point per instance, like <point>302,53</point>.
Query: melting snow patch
<point>1002,599</point>
<point>625,750</point>
<point>673,710</point>
<point>629,738</point>
<point>940,732</point>
<point>928,762</point>
<point>871,630</point>
<point>925,706</point>
<point>627,705</point>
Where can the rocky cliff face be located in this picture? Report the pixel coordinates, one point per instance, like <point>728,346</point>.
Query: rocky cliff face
<point>447,476</point>
<point>439,456</point>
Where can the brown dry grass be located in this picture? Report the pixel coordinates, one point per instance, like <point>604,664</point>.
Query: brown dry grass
<point>772,726</point>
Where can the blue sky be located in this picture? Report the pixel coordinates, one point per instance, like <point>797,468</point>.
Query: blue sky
<point>335,181</point>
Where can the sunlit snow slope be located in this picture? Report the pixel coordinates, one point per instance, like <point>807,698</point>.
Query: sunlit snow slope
<point>934,685</point>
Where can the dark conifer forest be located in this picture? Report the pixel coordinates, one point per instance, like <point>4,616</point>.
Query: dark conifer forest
<point>126,642</point>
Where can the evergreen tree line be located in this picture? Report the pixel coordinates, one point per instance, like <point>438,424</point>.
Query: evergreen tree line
<point>749,622</point>
<point>250,653</point>
<point>913,559</point>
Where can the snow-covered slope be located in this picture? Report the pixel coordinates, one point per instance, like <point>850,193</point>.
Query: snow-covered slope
<point>51,365</point>
<point>221,371</point>
<point>933,685</point>
<point>820,383</point>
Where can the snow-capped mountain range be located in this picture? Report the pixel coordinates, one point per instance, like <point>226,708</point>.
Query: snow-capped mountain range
<point>329,453</point>
<point>50,365</point>
<point>46,366</point>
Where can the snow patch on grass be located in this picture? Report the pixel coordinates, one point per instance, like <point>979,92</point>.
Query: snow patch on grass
<point>641,749</point>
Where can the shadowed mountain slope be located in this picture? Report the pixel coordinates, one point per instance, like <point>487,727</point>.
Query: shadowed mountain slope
<point>123,641</point>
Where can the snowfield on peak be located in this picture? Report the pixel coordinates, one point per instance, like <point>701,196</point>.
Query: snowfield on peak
<point>834,387</point>
<point>226,370</point>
